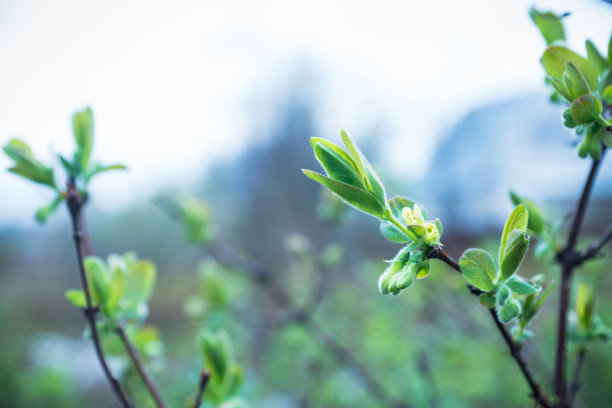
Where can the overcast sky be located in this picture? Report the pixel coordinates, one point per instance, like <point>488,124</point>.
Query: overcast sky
<point>172,83</point>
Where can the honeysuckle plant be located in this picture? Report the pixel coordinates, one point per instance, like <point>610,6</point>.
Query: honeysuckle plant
<point>115,293</point>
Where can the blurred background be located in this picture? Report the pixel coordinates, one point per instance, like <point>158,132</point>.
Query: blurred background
<point>219,101</point>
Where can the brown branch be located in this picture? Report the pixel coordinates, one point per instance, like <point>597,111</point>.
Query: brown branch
<point>75,205</point>
<point>593,250</point>
<point>204,377</point>
<point>342,355</point>
<point>146,378</point>
<point>515,351</point>
<point>569,258</point>
<point>576,384</point>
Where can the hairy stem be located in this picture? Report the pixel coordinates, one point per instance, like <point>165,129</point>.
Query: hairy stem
<point>75,205</point>
<point>204,377</point>
<point>515,351</point>
<point>146,378</point>
<point>569,258</point>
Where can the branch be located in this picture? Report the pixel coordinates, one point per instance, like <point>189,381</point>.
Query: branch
<point>204,377</point>
<point>342,355</point>
<point>569,258</point>
<point>593,250</point>
<point>146,378</point>
<point>515,351</point>
<point>576,384</point>
<point>75,205</point>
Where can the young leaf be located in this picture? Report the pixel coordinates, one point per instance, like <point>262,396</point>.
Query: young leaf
<point>503,295</point>
<point>555,57</point>
<point>98,168</point>
<point>574,81</point>
<point>487,300</point>
<point>518,220</point>
<point>586,109</point>
<point>336,166</point>
<point>355,154</point>
<point>76,297</point>
<point>509,311</point>
<point>139,283</point>
<point>521,287</point>
<point>549,24</point>
<point>99,279</point>
<point>28,166</point>
<point>358,198</point>
<point>536,305</point>
<point>478,268</point>
<point>336,149</point>
<point>42,213</point>
<point>392,233</point>
<point>598,60</point>
<point>83,129</point>
<point>535,221</point>
<point>397,204</point>
<point>516,248</point>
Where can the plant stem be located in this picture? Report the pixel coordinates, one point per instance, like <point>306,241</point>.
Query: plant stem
<point>75,205</point>
<point>204,377</point>
<point>146,378</point>
<point>593,249</point>
<point>575,384</point>
<point>515,351</point>
<point>569,258</point>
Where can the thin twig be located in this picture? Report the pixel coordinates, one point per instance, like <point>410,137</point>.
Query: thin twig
<point>593,249</point>
<point>515,351</point>
<point>204,377</point>
<point>569,258</point>
<point>282,299</point>
<point>576,384</point>
<point>146,378</point>
<point>75,205</point>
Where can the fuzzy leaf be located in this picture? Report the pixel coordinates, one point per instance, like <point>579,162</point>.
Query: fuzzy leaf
<point>535,221</point>
<point>514,254</point>
<point>392,233</point>
<point>358,198</point>
<point>521,287</point>
<point>478,268</point>
<point>555,57</point>
<point>517,220</point>
<point>336,166</point>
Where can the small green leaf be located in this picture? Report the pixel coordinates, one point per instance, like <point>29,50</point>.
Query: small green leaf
<point>517,220</point>
<point>336,149</point>
<point>336,166</point>
<point>555,57</point>
<point>196,217</point>
<point>535,221</point>
<point>478,268</point>
<point>509,311</point>
<point>76,297</point>
<point>406,276</point>
<point>598,60</point>
<point>377,187</point>
<point>139,283</point>
<point>44,212</point>
<point>536,305</point>
<point>585,306</point>
<point>216,351</point>
<point>83,129</point>
<point>549,24</point>
<point>586,109</point>
<point>560,88</point>
<point>99,279</point>
<point>68,166</point>
<point>514,254</point>
<point>502,295</point>
<point>606,95</point>
<point>355,154</point>
<point>520,286</point>
<point>574,81</point>
<point>98,168</point>
<point>392,233</point>
<point>360,199</point>
<point>487,300</point>
<point>28,166</point>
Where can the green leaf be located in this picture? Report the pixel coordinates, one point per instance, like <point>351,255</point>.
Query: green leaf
<point>514,254</point>
<point>392,233</point>
<point>98,277</point>
<point>215,348</point>
<point>76,297</point>
<point>606,95</point>
<point>28,166</point>
<point>585,306</point>
<point>586,109</point>
<point>336,149</point>
<point>509,311</point>
<point>535,221</point>
<point>44,212</point>
<point>98,168</point>
<point>560,88</point>
<point>139,283</point>
<point>487,300</point>
<point>83,129</point>
<point>595,57</point>
<point>196,217</point>
<point>517,220</point>
<point>555,57</point>
<point>536,305</point>
<point>574,81</point>
<point>478,268</point>
<point>520,286</point>
<point>377,187</point>
<point>360,199</point>
<point>68,166</point>
<point>116,289</point>
<point>549,24</point>
<point>336,166</point>
<point>355,154</point>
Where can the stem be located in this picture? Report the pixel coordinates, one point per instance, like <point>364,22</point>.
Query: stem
<point>569,258</point>
<point>593,249</point>
<point>575,384</point>
<point>277,293</point>
<point>515,351</point>
<point>204,377</point>
<point>74,208</point>
<point>146,378</point>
